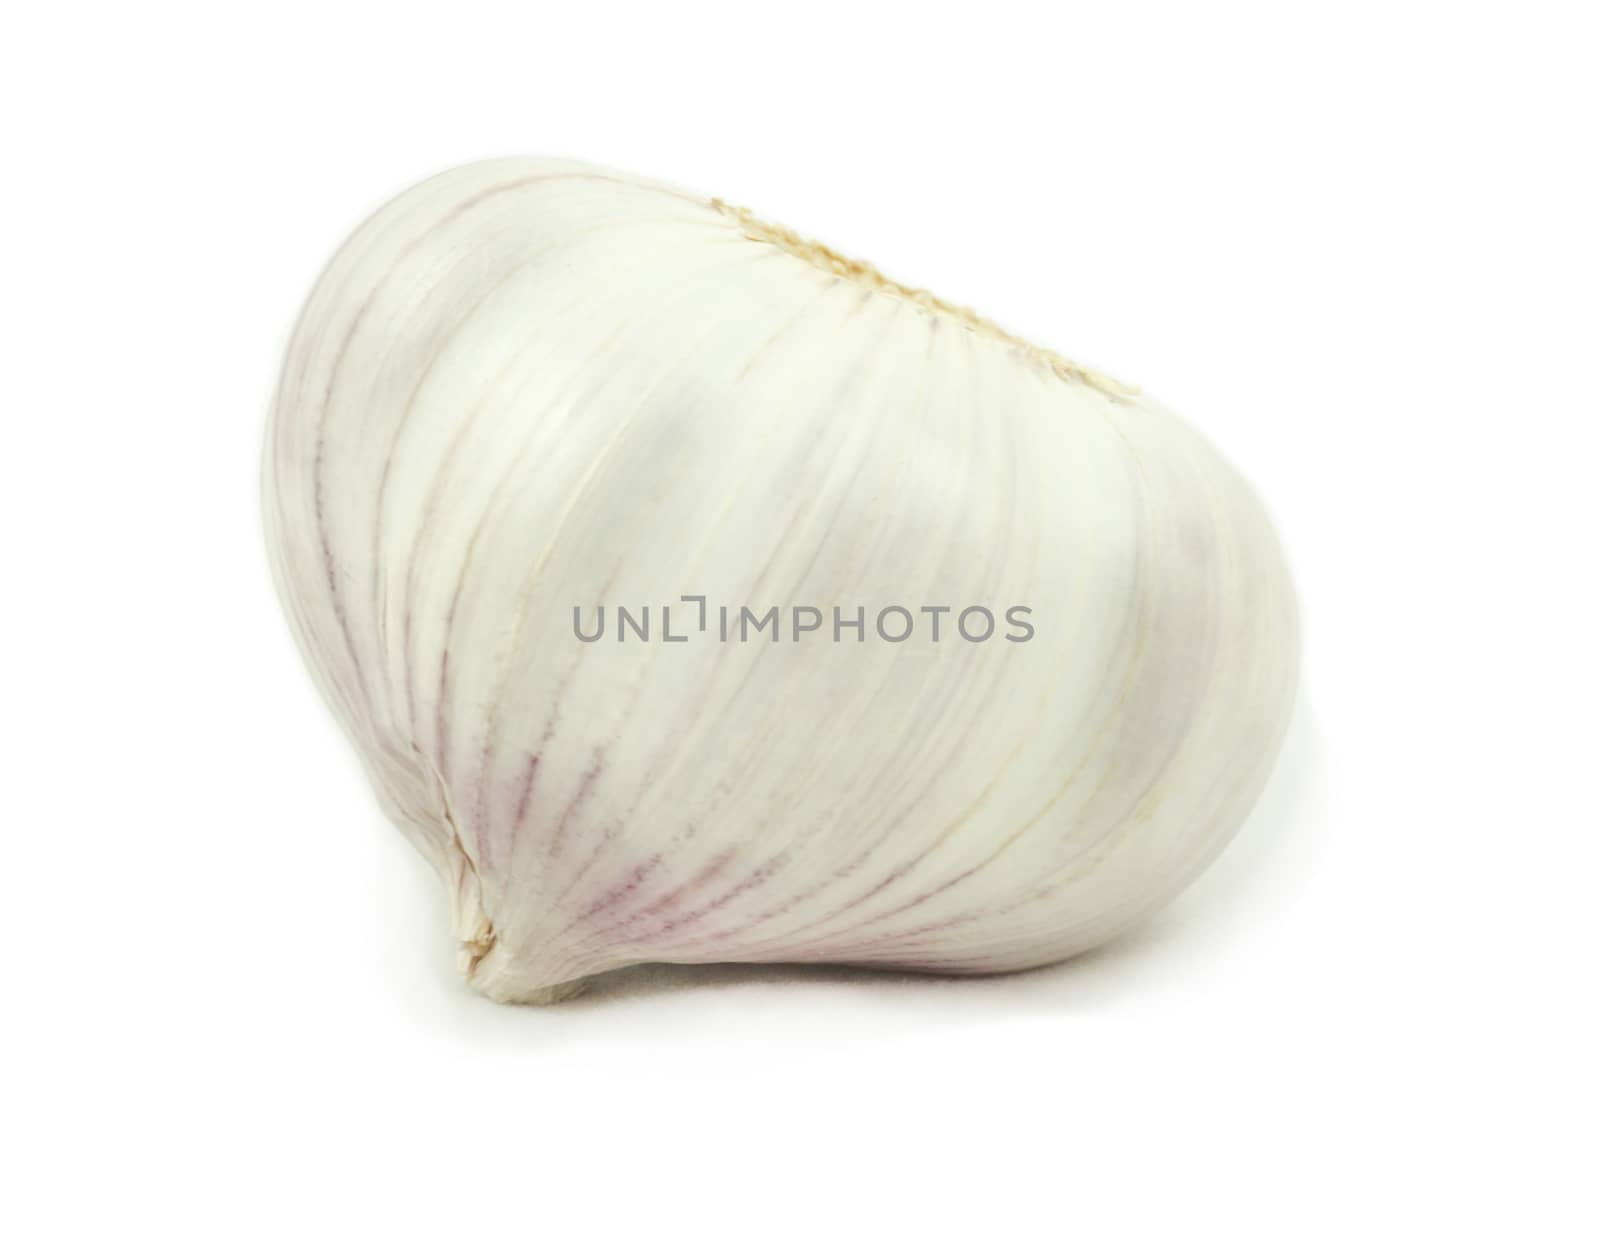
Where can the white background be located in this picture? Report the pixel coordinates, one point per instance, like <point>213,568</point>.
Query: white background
<point>1357,244</point>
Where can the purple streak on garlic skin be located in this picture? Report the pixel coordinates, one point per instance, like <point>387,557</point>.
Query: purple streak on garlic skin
<point>530,385</point>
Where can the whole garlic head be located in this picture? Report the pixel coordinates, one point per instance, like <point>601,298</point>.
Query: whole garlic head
<point>531,398</point>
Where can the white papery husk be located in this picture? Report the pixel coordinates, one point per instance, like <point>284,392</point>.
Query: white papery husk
<point>527,386</point>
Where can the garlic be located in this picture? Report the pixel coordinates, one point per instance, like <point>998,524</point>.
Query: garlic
<point>531,397</point>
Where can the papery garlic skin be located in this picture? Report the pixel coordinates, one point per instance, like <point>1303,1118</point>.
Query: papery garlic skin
<point>526,386</point>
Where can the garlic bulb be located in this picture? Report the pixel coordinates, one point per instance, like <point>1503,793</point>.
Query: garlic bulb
<point>692,593</point>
